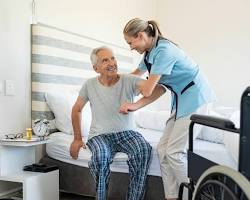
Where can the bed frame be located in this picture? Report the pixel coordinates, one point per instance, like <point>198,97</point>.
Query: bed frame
<point>78,180</point>
<point>60,61</point>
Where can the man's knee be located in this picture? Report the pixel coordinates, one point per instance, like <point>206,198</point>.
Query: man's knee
<point>143,153</point>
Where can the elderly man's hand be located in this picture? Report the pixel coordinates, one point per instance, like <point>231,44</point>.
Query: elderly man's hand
<point>75,148</point>
<point>127,107</point>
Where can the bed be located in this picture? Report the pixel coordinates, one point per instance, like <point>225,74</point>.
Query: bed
<point>60,65</point>
<point>74,172</point>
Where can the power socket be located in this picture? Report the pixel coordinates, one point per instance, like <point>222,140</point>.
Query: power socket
<point>9,88</point>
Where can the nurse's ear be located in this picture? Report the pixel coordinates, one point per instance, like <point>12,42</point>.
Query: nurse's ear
<point>140,35</point>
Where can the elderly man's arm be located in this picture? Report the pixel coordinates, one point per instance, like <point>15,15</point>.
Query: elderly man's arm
<point>127,107</point>
<point>138,72</point>
<point>76,123</point>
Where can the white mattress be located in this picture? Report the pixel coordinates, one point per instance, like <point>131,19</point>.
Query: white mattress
<point>59,146</point>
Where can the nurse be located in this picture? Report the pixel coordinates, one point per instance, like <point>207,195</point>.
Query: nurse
<point>168,65</point>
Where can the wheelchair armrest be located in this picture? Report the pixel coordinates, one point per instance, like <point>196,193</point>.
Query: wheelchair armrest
<point>214,122</point>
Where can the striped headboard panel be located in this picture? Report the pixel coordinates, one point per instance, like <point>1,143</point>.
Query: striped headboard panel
<point>60,61</point>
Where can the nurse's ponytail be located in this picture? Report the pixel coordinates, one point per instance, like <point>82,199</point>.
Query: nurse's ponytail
<point>151,28</point>
<point>152,25</point>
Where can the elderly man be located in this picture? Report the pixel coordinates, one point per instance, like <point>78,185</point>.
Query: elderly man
<point>111,131</point>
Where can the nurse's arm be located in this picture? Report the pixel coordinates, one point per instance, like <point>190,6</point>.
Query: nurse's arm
<point>147,87</point>
<point>158,91</point>
<point>127,107</point>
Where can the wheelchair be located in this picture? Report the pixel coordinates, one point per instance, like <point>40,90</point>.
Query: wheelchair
<point>210,181</point>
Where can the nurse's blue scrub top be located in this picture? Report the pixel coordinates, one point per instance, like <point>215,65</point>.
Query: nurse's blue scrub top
<point>180,74</point>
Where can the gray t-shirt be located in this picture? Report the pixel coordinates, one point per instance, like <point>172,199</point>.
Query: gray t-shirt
<point>105,103</point>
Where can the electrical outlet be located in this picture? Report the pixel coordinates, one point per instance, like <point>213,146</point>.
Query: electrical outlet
<point>9,88</point>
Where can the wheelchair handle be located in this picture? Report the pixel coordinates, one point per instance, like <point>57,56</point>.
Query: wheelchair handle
<point>246,92</point>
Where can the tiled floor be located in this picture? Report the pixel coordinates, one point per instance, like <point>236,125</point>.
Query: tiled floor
<point>66,196</point>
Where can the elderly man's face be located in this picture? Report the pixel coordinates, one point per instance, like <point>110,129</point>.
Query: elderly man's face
<point>106,64</point>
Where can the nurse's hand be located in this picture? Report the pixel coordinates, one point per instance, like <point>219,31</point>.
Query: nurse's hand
<point>127,107</point>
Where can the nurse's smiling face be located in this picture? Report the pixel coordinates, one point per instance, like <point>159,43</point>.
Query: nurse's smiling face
<point>138,43</point>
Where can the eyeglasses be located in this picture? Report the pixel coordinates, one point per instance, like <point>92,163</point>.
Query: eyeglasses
<point>14,136</point>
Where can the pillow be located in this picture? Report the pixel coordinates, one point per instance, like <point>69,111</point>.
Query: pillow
<point>231,139</point>
<point>212,134</point>
<point>235,118</point>
<point>148,119</point>
<point>61,104</point>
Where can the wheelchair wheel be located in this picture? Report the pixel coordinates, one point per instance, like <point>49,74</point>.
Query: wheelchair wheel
<point>222,183</point>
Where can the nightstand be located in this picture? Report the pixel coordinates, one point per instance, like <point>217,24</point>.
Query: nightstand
<point>36,186</point>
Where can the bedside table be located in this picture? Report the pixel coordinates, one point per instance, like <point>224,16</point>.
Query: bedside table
<point>36,186</point>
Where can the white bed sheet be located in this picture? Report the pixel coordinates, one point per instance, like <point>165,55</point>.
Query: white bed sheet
<point>59,146</point>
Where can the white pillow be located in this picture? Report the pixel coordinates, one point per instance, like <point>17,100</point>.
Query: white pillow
<point>235,118</point>
<point>225,111</point>
<point>61,104</point>
<point>155,120</point>
<point>231,140</point>
<point>212,134</point>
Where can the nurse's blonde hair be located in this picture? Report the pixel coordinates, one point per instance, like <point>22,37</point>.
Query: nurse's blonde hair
<point>136,25</point>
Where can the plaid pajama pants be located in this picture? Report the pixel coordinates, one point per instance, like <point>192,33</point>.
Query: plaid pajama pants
<point>104,147</point>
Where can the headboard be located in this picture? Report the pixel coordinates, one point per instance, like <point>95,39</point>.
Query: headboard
<point>60,61</point>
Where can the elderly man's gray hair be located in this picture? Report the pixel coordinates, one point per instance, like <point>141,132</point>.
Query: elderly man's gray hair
<point>93,55</point>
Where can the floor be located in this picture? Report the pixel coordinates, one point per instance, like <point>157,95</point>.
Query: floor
<point>66,196</point>
<point>63,196</point>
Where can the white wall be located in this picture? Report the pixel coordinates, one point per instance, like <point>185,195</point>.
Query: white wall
<point>217,36</point>
<point>102,20</point>
<point>15,64</point>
